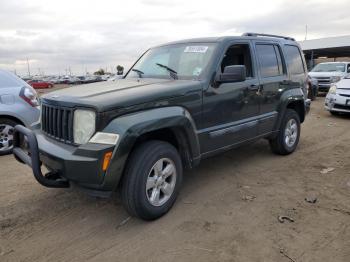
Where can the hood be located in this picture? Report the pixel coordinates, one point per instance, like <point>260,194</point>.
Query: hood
<point>109,95</point>
<point>344,84</point>
<point>326,74</point>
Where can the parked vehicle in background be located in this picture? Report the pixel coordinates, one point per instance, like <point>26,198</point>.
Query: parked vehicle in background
<point>338,97</point>
<point>329,73</point>
<point>115,78</point>
<point>39,84</point>
<point>92,79</point>
<point>180,103</point>
<point>18,105</point>
<point>312,90</point>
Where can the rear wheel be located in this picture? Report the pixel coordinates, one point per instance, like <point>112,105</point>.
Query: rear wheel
<point>288,137</point>
<point>152,180</point>
<point>6,135</point>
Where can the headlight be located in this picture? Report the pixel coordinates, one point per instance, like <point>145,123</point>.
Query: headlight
<point>84,125</point>
<point>333,90</point>
<point>335,79</point>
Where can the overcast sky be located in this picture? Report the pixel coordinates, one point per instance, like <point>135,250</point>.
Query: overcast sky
<point>57,34</point>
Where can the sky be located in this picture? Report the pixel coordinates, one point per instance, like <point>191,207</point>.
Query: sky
<point>82,35</point>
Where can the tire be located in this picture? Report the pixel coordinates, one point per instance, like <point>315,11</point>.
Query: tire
<point>279,144</point>
<point>6,135</point>
<point>313,94</point>
<point>310,93</point>
<point>143,166</point>
<point>334,113</point>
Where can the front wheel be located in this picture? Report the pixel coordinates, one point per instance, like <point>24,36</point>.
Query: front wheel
<point>288,137</point>
<point>151,180</point>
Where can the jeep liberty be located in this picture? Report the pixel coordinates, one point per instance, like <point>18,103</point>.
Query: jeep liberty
<point>179,103</point>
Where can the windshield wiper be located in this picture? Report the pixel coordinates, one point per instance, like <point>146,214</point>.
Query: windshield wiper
<point>172,72</point>
<point>139,72</point>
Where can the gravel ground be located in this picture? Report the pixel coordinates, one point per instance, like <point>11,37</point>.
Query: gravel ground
<point>227,210</point>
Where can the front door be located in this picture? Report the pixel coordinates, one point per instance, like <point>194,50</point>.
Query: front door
<point>230,110</point>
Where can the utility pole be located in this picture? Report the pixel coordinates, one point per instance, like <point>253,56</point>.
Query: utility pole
<point>305,32</point>
<point>28,67</point>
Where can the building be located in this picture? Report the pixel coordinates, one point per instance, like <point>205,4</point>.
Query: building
<point>326,49</point>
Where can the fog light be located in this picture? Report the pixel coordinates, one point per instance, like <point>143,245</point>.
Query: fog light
<point>106,160</point>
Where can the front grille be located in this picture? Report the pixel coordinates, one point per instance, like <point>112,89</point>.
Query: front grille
<point>323,80</point>
<point>57,122</point>
<point>337,106</point>
<point>344,95</point>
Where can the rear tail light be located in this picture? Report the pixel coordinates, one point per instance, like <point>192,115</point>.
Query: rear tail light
<point>29,95</point>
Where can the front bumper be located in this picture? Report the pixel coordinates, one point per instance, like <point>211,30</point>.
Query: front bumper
<point>66,163</point>
<point>337,103</point>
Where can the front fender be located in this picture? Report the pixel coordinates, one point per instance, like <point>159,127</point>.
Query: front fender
<point>131,126</point>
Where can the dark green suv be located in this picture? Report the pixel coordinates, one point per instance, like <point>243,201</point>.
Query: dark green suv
<point>179,103</point>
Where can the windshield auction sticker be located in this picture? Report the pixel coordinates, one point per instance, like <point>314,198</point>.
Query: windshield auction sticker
<point>196,49</point>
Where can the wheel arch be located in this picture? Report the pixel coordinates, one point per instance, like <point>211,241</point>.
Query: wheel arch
<point>299,107</point>
<point>16,119</point>
<point>170,124</point>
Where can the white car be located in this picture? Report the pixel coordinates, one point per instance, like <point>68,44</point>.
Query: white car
<point>18,105</point>
<point>338,97</point>
<point>329,73</point>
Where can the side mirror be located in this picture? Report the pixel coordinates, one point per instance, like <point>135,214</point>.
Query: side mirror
<point>234,73</point>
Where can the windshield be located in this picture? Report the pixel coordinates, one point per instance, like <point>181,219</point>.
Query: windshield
<point>329,67</point>
<point>178,61</point>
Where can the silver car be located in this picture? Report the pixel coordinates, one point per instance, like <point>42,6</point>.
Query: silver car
<point>18,105</point>
<point>338,97</point>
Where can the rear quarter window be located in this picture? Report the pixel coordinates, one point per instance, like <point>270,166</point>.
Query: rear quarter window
<point>294,60</point>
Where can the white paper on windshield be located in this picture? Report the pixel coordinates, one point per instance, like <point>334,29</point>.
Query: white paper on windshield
<point>196,49</point>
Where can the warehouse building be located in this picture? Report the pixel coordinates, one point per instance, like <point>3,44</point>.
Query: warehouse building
<point>326,50</point>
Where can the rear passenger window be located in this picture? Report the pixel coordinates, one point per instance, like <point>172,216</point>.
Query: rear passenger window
<point>294,60</point>
<point>270,60</point>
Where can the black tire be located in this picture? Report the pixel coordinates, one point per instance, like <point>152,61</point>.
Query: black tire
<point>278,144</point>
<point>134,195</point>
<point>311,94</point>
<point>334,113</point>
<point>10,122</point>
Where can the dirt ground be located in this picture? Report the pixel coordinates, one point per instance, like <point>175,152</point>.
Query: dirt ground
<point>227,209</point>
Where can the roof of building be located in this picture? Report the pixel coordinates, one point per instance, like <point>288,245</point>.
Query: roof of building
<point>329,42</point>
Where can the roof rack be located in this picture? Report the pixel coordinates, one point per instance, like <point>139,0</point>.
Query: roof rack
<point>267,35</point>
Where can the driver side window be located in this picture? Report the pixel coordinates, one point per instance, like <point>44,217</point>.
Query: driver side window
<point>238,54</point>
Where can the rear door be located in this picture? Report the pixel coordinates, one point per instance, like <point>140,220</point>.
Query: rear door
<point>273,81</point>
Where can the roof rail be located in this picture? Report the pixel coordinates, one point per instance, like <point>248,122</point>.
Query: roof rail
<point>267,35</point>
